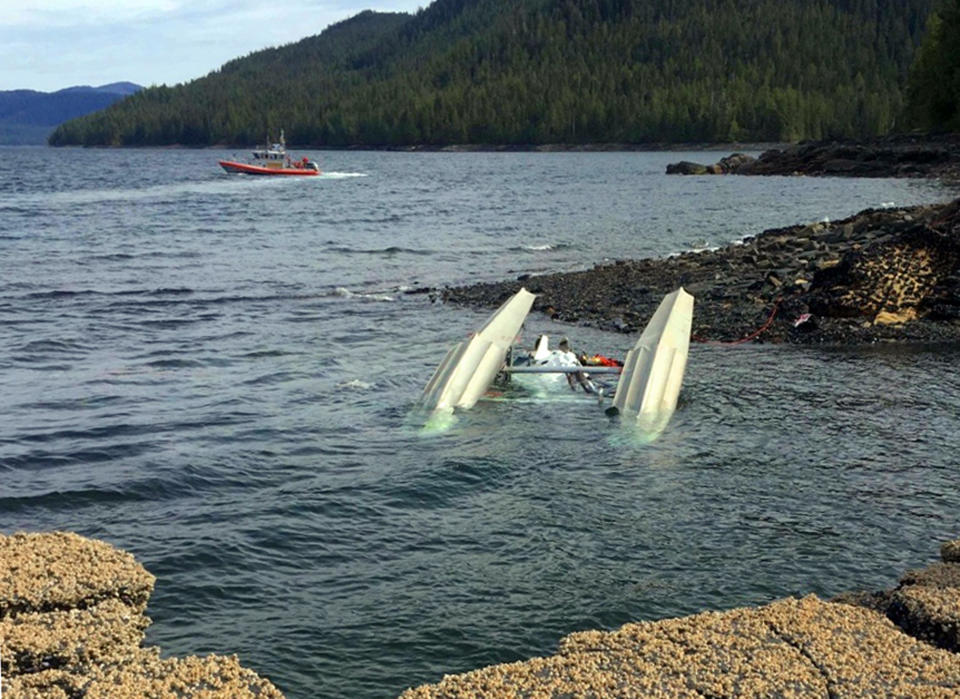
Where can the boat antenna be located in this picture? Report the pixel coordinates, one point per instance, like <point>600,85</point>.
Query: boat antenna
<point>283,141</point>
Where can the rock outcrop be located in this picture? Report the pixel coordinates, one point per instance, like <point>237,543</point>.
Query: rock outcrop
<point>72,625</point>
<point>887,274</point>
<point>926,603</point>
<point>893,156</point>
<point>732,164</point>
<point>790,648</point>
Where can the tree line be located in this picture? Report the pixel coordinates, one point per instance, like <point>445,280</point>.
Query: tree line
<point>519,72</point>
<point>933,91</point>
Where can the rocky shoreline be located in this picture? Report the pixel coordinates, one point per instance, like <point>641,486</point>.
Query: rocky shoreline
<point>72,625</point>
<point>904,155</point>
<point>898,643</point>
<point>881,275</point>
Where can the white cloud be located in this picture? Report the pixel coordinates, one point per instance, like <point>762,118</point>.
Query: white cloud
<point>45,14</point>
<point>52,44</point>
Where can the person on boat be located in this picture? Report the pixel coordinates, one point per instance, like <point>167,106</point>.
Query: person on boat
<point>577,377</point>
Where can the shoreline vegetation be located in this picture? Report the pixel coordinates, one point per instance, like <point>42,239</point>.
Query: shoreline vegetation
<point>551,71</point>
<point>881,275</point>
<point>564,147</point>
<point>72,609</point>
<point>72,623</point>
<point>664,147</point>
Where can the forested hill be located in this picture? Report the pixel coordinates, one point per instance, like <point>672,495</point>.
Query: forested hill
<point>549,71</point>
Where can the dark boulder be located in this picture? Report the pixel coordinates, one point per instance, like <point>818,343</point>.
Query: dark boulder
<point>685,167</point>
<point>735,162</point>
<point>725,166</point>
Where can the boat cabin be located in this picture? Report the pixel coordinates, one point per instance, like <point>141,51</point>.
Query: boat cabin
<point>274,155</point>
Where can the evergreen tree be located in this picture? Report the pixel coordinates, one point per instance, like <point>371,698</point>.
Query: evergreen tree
<point>554,71</point>
<point>934,89</point>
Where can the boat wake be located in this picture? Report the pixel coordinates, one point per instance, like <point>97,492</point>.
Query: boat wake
<point>341,175</point>
<point>536,248</point>
<point>175,190</point>
<point>160,192</point>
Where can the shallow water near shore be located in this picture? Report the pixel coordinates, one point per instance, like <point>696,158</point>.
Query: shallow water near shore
<point>218,374</point>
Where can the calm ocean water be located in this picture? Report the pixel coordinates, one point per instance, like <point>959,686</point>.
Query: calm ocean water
<point>216,373</point>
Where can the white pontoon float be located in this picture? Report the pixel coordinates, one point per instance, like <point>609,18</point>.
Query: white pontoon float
<point>470,367</point>
<point>649,381</point>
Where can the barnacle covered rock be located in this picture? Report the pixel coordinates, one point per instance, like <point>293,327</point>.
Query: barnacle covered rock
<point>61,570</point>
<point>792,647</point>
<point>72,625</point>
<point>34,641</point>
<point>789,648</point>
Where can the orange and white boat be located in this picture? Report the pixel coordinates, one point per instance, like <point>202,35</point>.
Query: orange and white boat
<point>272,160</point>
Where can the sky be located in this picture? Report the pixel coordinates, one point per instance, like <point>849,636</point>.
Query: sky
<point>48,45</point>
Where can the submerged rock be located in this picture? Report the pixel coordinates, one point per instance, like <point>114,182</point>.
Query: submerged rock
<point>731,164</point>
<point>72,625</point>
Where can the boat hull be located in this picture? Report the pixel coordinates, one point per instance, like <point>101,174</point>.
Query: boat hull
<point>247,169</point>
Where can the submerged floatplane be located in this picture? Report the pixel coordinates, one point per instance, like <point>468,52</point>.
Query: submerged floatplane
<point>272,160</point>
<point>648,381</point>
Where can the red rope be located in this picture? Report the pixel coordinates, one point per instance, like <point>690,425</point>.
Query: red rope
<point>752,336</point>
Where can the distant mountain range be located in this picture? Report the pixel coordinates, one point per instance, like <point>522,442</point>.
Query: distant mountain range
<point>27,116</point>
